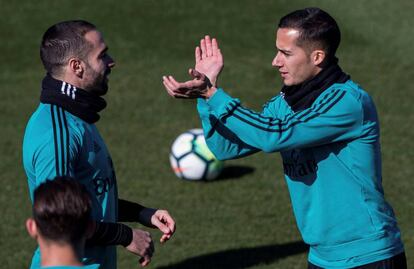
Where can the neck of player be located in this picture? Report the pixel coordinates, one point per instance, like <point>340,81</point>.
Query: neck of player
<point>59,254</point>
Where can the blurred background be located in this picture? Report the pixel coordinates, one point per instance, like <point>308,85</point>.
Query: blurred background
<point>243,219</point>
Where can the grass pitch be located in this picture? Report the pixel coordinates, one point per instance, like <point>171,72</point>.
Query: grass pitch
<point>245,219</point>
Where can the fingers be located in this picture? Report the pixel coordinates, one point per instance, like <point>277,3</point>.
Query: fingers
<point>195,74</point>
<point>173,82</point>
<point>142,245</point>
<point>193,85</point>
<point>168,86</point>
<point>190,89</point>
<point>146,258</point>
<point>209,49</point>
<point>174,86</point>
<point>168,220</point>
<point>215,48</point>
<point>165,237</point>
<point>170,83</point>
<point>167,233</point>
<point>161,226</point>
<point>197,54</point>
<point>172,90</point>
<point>203,48</point>
<point>165,223</point>
<point>192,73</point>
<point>144,261</point>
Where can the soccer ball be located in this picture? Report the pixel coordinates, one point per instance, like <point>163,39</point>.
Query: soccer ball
<point>191,159</point>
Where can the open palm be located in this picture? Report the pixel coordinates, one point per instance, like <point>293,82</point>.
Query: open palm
<point>209,59</point>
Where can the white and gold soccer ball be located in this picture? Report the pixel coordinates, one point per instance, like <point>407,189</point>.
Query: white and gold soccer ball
<point>191,159</point>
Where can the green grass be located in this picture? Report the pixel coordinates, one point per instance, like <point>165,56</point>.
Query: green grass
<point>235,223</point>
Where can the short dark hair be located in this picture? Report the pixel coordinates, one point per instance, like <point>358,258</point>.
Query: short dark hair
<point>317,29</point>
<point>62,210</point>
<point>62,41</point>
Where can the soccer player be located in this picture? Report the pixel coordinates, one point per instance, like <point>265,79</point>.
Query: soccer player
<point>61,222</point>
<point>61,139</point>
<point>326,128</point>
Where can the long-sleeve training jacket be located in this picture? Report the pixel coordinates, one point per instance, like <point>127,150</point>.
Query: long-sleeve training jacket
<point>58,143</point>
<point>332,165</point>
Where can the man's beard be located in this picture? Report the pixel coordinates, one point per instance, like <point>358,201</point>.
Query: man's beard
<point>99,85</point>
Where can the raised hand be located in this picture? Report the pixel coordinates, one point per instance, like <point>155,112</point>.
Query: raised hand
<point>199,87</point>
<point>208,58</point>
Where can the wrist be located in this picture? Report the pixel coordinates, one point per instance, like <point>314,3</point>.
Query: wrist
<point>213,82</point>
<point>210,92</point>
<point>145,216</point>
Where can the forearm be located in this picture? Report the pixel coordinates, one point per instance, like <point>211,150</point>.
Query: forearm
<point>133,212</point>
<point>336,117</point>
<point>220,140</point>
<point>129,211</point>
<point>105,233</point>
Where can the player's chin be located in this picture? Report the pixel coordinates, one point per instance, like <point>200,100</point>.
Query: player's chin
<point>103,89</point>
<point>291,82</point>
<point>287,81</point>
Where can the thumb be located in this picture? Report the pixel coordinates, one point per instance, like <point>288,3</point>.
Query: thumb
<point>195,74</point>
<point>144,261</point>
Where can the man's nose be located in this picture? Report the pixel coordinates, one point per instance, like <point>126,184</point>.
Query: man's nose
<point>277,61</point>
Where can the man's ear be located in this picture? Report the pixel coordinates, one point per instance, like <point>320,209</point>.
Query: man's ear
<point>76,66</point>
<point>318,56</point>
<point>31,228</point>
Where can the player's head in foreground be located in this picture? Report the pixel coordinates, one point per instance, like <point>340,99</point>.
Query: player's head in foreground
<point>306,41</point>
<point>60,221</point>
<point>75,52</point>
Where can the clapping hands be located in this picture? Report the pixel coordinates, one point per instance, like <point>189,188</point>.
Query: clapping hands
<point>208,65</point>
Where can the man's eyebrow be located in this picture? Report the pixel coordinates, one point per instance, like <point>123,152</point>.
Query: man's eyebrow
<point>284,51</point>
